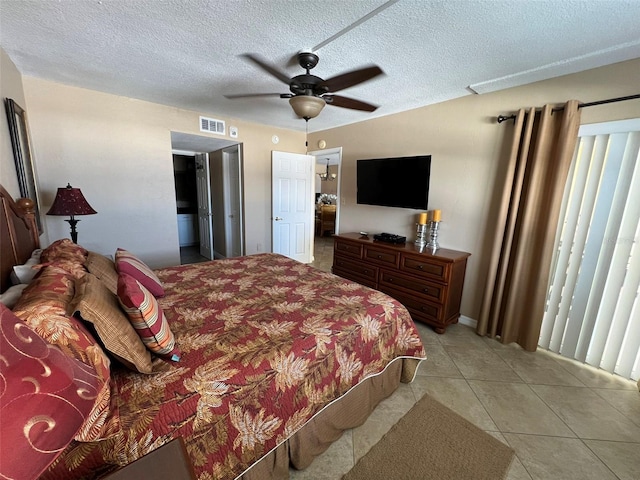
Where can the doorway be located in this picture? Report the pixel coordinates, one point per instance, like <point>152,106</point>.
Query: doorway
<point>327,187</point>
<point>209,184</point>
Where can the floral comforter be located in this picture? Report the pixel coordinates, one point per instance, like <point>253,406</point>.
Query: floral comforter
<point>266,343</point>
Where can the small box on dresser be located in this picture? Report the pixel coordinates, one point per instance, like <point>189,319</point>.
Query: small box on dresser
<point>429,284</point>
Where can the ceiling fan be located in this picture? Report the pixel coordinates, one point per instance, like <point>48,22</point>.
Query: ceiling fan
<point>309,93</point>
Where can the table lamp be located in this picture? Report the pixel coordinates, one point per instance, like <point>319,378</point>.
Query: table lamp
<point>70,201</point>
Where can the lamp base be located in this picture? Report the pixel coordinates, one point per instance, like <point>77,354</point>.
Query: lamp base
<point>74,234</point>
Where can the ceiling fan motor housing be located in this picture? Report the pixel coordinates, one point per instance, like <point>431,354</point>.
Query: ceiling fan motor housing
<point>308,60</point>
<point>307,85</point>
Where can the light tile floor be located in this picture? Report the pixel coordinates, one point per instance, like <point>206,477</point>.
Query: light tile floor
<point>323,253</point>
<point>191,254</point>
<point>565,420</point>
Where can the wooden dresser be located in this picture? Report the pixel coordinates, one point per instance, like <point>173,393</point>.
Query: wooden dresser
<point>428,284</point>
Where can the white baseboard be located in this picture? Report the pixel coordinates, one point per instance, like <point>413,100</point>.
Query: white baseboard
<point>468,321</point>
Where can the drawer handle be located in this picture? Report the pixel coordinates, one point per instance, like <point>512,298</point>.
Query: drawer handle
<point>426,290</point>
<point>379,256</point>
<point>390,280</point>
<point>366,271</point>
<point>420,267</point>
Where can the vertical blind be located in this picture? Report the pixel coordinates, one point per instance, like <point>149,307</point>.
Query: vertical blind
<point>593,306</point>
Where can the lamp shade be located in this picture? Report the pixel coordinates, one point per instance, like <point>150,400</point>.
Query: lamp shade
<point>307,106</point>
<point>70,201</point>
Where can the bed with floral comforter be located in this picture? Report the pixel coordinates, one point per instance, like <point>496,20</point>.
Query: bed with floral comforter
<point>266,345</point>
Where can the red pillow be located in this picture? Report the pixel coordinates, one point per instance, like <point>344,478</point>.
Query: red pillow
<point>147,318</point>
<point>45,396</point>
<point>43,307</point>
<point>128,263</point>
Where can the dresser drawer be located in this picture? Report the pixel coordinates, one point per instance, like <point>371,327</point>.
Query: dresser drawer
<point>349,249</point>
<point>382,257</point>
<point>350,275</point>
<point>357,268</point>
<point>425,267</point>
<point>429,290</point>
<point>421,310</point>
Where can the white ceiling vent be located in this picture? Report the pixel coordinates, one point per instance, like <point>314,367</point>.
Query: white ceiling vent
<point>212,125</point>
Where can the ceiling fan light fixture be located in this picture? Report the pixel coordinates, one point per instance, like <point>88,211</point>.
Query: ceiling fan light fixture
<point>307,106</point>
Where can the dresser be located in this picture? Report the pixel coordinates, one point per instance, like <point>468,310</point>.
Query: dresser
<point>428,284</point>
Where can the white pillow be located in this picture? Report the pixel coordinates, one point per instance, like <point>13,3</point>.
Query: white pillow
<point>11,296</point>
<point>25,273</point>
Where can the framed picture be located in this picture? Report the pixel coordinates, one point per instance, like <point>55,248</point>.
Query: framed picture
<point>17,120</point>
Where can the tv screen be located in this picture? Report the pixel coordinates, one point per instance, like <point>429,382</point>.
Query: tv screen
<point>394,182</point>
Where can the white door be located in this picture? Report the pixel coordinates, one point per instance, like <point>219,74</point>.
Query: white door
<point>204,205</point>
<point>232,201</point>
<point>292,213</point>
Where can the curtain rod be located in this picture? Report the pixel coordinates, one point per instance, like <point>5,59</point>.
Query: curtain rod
<point>503,118</point>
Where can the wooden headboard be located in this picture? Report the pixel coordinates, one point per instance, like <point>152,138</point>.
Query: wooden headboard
<point>18,234</point>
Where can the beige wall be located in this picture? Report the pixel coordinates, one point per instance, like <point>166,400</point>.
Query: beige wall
<point>10,87</point>
<point>118,150</point>
<point>466,145</point>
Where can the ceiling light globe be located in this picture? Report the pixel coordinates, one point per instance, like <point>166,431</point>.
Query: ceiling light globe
<point>307,106</point>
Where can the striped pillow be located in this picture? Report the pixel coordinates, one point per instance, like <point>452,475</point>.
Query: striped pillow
<point>128,263</point>
<point>147,318</point>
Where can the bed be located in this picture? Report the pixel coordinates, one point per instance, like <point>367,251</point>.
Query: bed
<point>272,360</point>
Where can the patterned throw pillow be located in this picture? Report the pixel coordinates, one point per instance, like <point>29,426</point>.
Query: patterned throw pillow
<point>128,263</point>
<point>63,249</point>
<point>103,268</point>
<point>43,306</point>
<point>66,254</point>
<point>94,303</point>
<point>45,398</point>
<point>147,317</point>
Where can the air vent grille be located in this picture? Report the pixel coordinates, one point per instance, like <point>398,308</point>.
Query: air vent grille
<point>212,125</point>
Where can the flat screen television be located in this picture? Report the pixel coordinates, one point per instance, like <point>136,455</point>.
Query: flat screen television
<point>394,182</point>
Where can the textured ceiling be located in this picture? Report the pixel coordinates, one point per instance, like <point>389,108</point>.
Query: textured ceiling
<point>186,53</point>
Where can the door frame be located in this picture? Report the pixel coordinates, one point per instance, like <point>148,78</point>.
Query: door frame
<point>183,151</point>
<point>333,151</point>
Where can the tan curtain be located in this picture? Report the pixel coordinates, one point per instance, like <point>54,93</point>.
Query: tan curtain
<point>516,288</point>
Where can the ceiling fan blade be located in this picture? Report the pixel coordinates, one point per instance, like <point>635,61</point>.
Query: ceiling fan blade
<point>267,67</point>
<point>346,102</point>
<point>248,95</point>
<point>349,79</point>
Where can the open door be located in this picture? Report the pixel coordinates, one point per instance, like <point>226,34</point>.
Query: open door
<point>204,205</point>
<point>225,171</point>
<point>292,205</point>
<point>232,174</point>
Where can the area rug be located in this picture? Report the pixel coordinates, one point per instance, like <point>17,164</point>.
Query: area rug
<point>431,442</point>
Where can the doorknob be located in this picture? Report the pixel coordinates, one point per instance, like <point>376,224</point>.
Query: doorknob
<point>278,219</point>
